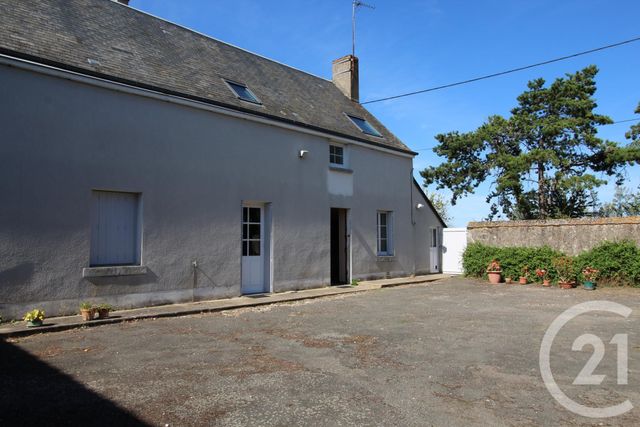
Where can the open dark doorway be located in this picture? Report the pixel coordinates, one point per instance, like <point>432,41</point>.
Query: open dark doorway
<point>339,247</point>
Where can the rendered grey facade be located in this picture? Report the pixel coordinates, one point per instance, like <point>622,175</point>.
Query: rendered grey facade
<point>189,167</point>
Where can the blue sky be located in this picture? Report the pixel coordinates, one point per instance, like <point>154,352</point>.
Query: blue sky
<point>414,44</point>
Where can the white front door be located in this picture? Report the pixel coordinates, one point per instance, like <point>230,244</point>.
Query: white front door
<point>252,249</point>
<point>434,251</point>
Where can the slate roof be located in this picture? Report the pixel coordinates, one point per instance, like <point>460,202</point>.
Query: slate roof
<point>109,40</point>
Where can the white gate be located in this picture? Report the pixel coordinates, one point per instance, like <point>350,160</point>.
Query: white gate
<point>454,242</point>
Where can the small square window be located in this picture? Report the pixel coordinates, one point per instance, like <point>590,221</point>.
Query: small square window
<point>336,155</point>
<point>243,92</point>
<point>365,126</point>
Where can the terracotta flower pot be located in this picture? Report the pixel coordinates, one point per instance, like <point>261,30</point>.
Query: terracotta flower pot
<point>87,314</point>
<point>494,277</point>
<point>546,283</point>
<point>523,280</point>
<point>565,285</point>
<point>103,313</point>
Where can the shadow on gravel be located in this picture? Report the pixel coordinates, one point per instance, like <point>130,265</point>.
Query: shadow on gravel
<point>31,392</point>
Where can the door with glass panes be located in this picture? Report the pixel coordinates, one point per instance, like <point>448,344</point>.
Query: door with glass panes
<point>434,250</point>
<point>252,249</point>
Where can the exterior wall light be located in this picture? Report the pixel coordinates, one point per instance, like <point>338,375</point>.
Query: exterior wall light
<point>302,153</point>
<point>419,206</point>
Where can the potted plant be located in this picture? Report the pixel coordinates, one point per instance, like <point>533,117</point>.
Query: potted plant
<point>103,310</point>
<point>542,274</point>
<point>508,280</point>
<point>87,311</point>
<point>564,268</point>
<point>34,317</point>
<point>524,279</point>
<point>494,271</point>
<point>590,275</point>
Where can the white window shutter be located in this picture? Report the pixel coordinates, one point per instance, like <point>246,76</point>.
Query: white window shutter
<point>115,228</point>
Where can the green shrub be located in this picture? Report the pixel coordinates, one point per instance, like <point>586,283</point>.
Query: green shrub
<point>513,260</point>
<point>476,258</point>
<point>517,258</point>
<point>618,262</point>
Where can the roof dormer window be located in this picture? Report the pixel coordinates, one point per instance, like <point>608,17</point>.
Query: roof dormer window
<point>365,126</point>
<point>242,92</point>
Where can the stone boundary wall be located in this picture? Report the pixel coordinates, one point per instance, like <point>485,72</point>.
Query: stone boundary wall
<point>571,236</point>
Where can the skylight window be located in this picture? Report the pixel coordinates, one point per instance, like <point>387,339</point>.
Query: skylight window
<point>243,92</point>
<point>365,126</point>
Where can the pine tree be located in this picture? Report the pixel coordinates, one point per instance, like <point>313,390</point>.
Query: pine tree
<point>542,161</point>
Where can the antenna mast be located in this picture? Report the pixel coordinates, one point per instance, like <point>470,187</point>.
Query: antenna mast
<point>356,4</point>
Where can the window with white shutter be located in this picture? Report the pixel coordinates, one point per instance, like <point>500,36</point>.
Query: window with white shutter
<point>116,232</point>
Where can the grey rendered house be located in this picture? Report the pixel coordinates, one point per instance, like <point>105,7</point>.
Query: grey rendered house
<point>144,163</point>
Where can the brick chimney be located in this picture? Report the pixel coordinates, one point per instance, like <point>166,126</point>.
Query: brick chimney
<point>345,76</point>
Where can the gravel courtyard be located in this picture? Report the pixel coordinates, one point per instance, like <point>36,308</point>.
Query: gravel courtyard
<point>454,352</point>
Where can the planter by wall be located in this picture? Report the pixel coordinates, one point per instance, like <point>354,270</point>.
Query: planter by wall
<point>103,313</point>
<point>87,314</point>
<point>566,285</point>
<point>494,277</point>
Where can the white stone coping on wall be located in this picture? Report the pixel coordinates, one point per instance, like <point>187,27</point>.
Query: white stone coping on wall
<point>119,270</point>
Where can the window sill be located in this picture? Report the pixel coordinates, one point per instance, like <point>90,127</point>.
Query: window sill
<point>340,169</point>
<point>386,258</point>
<point>117,270</point>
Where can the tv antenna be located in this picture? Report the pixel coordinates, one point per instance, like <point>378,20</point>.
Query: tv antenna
<point>356,4</point>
